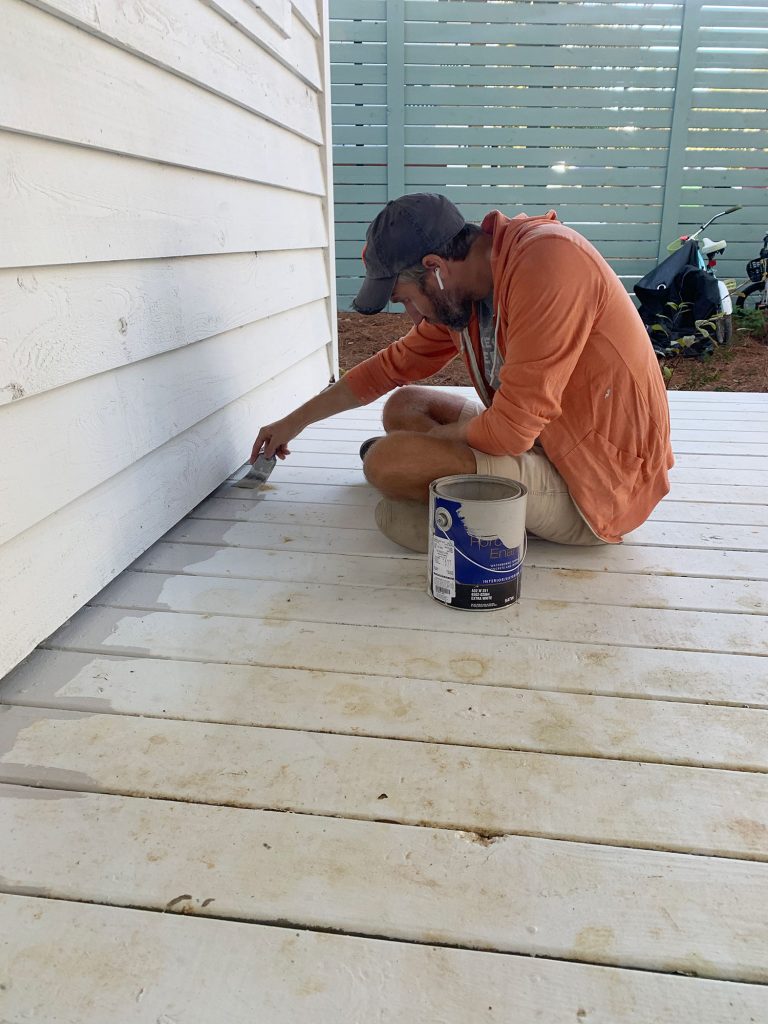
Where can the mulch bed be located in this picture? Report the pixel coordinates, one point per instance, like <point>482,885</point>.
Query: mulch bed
<point>741,366</point>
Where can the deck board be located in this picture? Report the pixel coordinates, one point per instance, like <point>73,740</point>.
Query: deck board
<point>577,786</point>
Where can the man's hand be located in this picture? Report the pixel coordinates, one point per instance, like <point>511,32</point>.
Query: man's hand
<point>274,438</point>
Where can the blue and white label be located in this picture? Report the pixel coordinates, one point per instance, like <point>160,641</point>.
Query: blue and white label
<point>468,570</point>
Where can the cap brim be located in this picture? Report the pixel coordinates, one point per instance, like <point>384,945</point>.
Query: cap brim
<point>374,295</point>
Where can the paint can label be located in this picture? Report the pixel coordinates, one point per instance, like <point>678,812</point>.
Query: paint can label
<point>467,570</point>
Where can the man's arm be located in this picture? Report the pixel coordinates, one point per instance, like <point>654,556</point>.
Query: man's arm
<point>275,437</point>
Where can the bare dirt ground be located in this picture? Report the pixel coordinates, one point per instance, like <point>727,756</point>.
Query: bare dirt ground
<point>740,366</point>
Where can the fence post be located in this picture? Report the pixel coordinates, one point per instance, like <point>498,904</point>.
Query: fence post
<point>395,98</point>
<point>681,111</point>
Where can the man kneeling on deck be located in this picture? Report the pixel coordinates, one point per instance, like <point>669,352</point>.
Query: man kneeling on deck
<point>573,401</point>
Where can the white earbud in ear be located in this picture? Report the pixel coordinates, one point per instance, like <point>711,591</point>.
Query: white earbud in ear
<point>440,284</point>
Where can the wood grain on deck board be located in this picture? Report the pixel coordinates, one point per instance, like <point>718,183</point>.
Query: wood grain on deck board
<point>568,900</point>
<point>414,709</point>
<point>453,787</point>
<point>667,628</point>
<point>634,589</point>
<point>289,976</point>
<point>492,660</point>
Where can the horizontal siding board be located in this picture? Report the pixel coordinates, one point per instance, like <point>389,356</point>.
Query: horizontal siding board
<point>126,413</point>
<point>307,10</point>
<point>154,492</point>
<point>66,204</point>
<point>192,41</point>
<point>298,51</point>
<point>188,126</point>
<point>67,323</point>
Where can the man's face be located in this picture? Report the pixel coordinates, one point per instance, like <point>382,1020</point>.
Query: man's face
<point>424,300</point>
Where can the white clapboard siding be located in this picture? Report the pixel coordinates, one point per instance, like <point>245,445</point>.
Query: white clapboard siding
<point>468,714</point>
<point>75,559</point>
<point>189,126</point>
<point>68,204</point>
<point>541,664</point>
<point>69,322</point>
<point>126,413</point>
<point>315,977</point>
<point>194,42</point>
<point>296,48</point>
<point>278,769</point>
<point>573,901</point>
<point>165,257</point>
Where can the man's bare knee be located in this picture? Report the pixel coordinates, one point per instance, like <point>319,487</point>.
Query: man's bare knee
<point>419,409</point>
<point>403,464</point>
<point>401,406</point>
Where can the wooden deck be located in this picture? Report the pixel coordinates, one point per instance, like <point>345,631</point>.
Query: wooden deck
<point>555,813</point>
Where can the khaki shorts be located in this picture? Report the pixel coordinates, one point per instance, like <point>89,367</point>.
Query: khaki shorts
<point>551,512</point>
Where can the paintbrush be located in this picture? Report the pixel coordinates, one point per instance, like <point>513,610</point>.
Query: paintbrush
<point>258,474</point>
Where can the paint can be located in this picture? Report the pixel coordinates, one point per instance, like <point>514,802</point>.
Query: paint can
<point>477,541</point>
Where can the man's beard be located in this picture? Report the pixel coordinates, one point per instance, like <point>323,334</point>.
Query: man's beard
<point>453,315</point>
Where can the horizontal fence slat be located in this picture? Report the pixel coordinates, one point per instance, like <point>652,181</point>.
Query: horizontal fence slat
<point>364,212</point>
<point>522,32</point>
<point>587,77</point>
<point>515,96</point>
<point>543,56</point>
<point>613,141</point>
<point>539,105</point>
<point>544,13</point>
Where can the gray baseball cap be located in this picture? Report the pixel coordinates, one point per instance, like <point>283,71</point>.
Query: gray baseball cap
<point>405,231</point>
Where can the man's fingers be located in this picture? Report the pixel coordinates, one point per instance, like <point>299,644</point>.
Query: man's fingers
<point>262,438</point>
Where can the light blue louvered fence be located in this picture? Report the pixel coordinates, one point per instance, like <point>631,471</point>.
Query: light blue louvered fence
<point>635,121</point>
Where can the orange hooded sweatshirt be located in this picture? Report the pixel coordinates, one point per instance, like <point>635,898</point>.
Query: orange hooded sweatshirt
<point>579,374</point>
